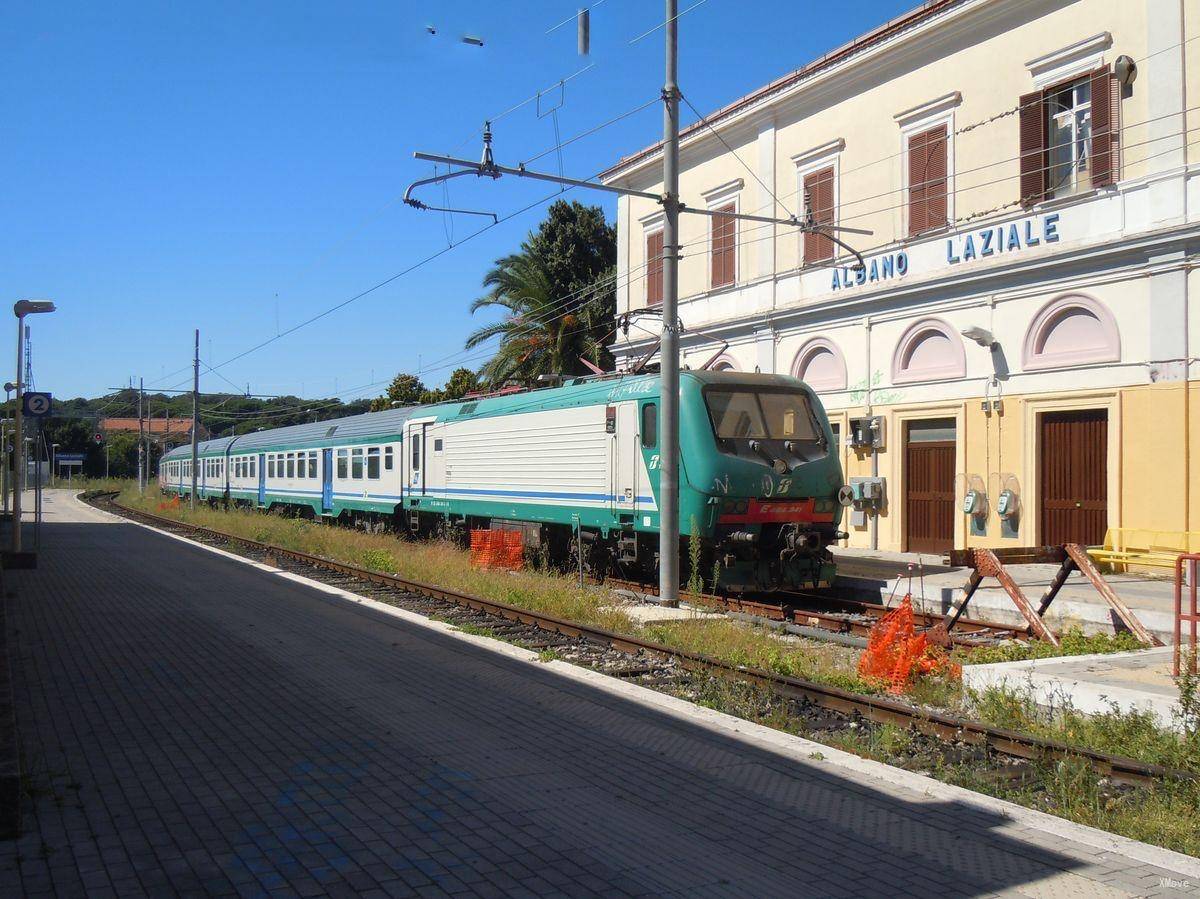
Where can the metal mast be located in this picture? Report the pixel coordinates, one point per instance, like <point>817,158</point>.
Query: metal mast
<point>195,418</point>
<point>668,520</point>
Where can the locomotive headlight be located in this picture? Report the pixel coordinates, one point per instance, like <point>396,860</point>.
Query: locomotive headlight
<point>780,467</point>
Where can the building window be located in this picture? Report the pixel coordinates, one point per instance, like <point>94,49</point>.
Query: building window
<point>819,209</point>
<point>927,171</point>
<point>724,246</point>
<point>820,365</point>
<point>650,425</point>
<point>1070,137</point>
<point>929,350</point>
<point>654,268</point>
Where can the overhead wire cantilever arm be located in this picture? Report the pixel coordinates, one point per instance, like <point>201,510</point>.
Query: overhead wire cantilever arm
<point>441,179</point>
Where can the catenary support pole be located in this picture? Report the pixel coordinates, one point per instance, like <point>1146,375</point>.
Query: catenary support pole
<point>195,419</point>
<point>141,453</point>
<point>668,520</point>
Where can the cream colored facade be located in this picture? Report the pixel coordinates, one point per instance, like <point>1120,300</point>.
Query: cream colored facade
<point>1093,299</point>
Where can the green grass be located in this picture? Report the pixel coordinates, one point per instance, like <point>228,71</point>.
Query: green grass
<point>1074,643</point>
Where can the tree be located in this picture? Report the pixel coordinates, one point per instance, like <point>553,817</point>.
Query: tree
<point>559,297</point>
<point>405,390</point>
<point>461,382</point>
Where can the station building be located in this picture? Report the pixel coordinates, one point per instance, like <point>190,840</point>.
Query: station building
<point>1024,335</point>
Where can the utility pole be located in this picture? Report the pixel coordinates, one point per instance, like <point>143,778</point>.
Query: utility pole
<point>195,419</point>
<point>668,485</point>
<point>141,440</point>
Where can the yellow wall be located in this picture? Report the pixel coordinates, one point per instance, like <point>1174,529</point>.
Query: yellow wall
<point>1152,481</point>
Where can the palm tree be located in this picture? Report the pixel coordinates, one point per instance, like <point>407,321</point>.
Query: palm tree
<point>546,331</point>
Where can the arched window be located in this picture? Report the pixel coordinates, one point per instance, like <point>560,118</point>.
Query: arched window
<point>1071,330</point>
<point>820,365</point>
<point>930,350</point>
<point>724,363</point>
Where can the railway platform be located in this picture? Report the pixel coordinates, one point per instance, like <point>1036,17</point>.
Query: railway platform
<point>192,722</point>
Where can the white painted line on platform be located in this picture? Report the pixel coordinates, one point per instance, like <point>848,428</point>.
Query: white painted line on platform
<point>799,749</point>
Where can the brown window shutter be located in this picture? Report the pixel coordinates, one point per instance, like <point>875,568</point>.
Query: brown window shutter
<point>1105,127</point>
<point>1033,148</point>
<point>724,250</point>
<point>819,188</point>
<point>936,177</point>
<point>918,164</point>
<point>654,269</point>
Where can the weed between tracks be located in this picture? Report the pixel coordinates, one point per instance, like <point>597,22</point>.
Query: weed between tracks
<point>1164,814</point>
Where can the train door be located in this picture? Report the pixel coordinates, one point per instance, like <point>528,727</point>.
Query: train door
<point>262,479</point>
<point>327,480</point>
<point>414,455</point>
<point>625,445</point>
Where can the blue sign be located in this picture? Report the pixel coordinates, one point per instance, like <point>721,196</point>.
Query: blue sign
<point>70,457</point>
<point>998,239</point>
<point>35,405</point>
<point>879,268</point>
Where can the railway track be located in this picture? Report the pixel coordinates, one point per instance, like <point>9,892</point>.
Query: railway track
<point>653,664</point>
<point>832,610</point>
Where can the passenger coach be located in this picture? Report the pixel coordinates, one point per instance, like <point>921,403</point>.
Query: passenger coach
<point>568,466</point>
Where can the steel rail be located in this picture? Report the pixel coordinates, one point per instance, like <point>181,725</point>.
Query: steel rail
<point>878,709</point>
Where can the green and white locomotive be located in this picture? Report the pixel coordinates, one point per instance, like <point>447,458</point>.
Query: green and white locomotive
<point>575,468</point>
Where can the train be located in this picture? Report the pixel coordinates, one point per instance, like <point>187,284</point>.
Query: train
<point>574,467</point>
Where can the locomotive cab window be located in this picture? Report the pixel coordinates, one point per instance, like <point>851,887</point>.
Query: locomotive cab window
<point>777,414</point>
<point>649,425</point>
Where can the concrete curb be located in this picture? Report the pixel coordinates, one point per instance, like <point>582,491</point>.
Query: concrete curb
<point>786,745</point>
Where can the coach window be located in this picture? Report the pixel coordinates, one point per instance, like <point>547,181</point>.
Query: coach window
<point>416,452</point>
<point>387,458</point>
<point>343,470</point>
<point>373,463</point>
<point>649,425</point>
<point>312,464</point>
<point>356,464</point>
<point>254,467</point>
<point>291,465</point>
<point>271,465</point>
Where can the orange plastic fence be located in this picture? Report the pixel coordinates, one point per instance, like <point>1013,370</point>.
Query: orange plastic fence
<point>172,503</point>
<point>498,549</point>
<point>896,653</point>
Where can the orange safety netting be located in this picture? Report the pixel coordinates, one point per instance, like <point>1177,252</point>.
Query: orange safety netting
<point>896,653</point>
<point>498,549</point>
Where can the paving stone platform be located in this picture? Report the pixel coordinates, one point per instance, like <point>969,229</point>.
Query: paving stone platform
<point>192,724</point>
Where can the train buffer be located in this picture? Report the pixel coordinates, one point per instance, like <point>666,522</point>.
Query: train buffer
<point>985,563</point>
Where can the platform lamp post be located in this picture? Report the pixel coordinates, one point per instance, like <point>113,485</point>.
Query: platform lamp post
<point>5,454</point>
<point>21,309</point>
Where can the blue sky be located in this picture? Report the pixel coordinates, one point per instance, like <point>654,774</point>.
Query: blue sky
<point>237,167</point>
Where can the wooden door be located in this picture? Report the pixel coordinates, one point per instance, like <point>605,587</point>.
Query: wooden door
<point>929,485</point>
<point>1073,477</point>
